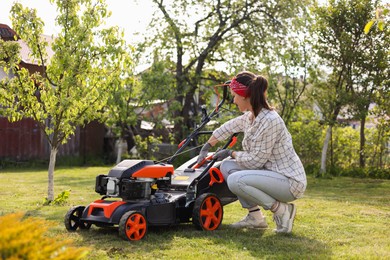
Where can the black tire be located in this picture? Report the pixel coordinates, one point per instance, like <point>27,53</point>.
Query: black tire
<point>133,226</point>
<point>207,213</point>
<point>72,219</point>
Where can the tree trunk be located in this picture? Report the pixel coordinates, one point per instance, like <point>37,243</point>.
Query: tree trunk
<point>130,139</point>
<point>178,124</point>
<point>52,163</point>
<point>325,150</point>
<point>188,109</point>
<point>362,159</point>
<point>119,150</point>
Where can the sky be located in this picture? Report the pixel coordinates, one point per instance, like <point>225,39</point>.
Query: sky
<point>130,15</point>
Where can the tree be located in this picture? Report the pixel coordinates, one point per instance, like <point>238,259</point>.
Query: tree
<point>290,67</point>
<point>371,75</point>
<point>219,32</point>
<point>132,96</point>
<point>329,96</point>
<point>158,83</point>
<point>381,112</point>
<point>382,15</point>
<point>119,114</point>
<point>72,90</point>
<point>371,70</point>
<point>343,47</point>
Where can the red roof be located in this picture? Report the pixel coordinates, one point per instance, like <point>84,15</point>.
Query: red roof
<point>6,33</point>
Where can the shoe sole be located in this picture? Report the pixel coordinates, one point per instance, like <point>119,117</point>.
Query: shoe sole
<point>263,227</point>
<point>250,226</point>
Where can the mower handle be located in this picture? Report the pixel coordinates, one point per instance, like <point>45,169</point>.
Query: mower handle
<point>231,143</point>
<point>206,118</point>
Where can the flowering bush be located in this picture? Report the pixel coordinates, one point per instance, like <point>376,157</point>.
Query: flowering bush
<point>24,238</point>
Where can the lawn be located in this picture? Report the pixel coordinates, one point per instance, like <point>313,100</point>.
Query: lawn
<point>340,218</point>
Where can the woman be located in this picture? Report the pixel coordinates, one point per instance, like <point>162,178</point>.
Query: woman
<point>268,172</point>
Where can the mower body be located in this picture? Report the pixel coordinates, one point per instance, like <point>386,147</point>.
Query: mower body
<point>157,192</point>
<point>164,195</point>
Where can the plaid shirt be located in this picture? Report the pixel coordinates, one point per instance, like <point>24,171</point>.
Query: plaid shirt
<point>267,144</point>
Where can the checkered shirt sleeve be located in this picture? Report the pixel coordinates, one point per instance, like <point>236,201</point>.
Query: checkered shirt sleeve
<point>267,144</point>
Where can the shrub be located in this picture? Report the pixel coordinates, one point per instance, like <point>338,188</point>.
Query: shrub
<point>24,238</point>
<point>346,147</point>
<point>147,147</point>
<point>307,139</point>
<point>374,173</point>
<point>60,200</point>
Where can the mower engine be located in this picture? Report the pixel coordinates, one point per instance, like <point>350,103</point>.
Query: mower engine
<point>134,179</point>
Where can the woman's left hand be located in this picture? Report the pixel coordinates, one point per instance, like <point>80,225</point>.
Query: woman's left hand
<point>222,154</point>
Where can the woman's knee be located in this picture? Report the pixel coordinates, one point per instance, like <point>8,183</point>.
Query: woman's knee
<point>233,181</point>
<point>228,167</point>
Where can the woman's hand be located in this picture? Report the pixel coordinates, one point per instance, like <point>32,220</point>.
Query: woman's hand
<point>203,153</point>
<point>222,154</point>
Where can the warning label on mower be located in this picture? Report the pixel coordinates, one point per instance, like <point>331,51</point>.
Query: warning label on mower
<point>181,178</point>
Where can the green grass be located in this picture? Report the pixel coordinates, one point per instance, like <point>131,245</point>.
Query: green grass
<point>341,218</point>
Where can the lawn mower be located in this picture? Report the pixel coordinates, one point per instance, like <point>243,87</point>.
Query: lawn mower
<point>138,194</point>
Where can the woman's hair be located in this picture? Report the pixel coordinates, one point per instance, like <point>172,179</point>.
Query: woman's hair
<point>257,87</point>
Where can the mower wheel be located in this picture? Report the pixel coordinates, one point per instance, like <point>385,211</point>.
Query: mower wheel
<point>133,226</point>
<point>207,213</point>
<point>72,219</point>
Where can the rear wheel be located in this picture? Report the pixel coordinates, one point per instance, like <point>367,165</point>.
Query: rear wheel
<point>72,219</point>
<point>133,226</point>
<point>208,212</point>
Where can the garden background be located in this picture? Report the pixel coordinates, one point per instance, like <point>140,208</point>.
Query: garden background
<point>85,97</point>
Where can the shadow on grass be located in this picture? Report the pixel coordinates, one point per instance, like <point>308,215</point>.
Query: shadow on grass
<point>257,243</point>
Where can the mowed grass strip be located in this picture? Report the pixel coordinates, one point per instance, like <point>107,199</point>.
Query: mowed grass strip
<point>340,218</point>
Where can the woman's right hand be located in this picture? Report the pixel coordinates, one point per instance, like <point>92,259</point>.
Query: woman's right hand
<point>203,153</point>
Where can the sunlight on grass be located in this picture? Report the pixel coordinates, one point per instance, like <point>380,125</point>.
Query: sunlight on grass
<point>339,218</point>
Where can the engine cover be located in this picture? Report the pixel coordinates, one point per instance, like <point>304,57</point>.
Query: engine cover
<point>132,179</point>
<point>140,169</point>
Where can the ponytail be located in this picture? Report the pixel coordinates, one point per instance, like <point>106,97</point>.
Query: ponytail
<point>257,90</point>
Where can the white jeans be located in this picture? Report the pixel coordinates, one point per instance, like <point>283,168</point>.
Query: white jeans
<point>256,187</point>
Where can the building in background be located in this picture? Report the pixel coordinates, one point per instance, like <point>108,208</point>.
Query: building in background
<point>23,140</point>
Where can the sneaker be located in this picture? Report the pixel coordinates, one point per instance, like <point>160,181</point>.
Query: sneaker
<point>284,222</point>
<point>250,222</point>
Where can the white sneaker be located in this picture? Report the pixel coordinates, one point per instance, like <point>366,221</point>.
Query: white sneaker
<point>284,222</point>
<point>250,222</point>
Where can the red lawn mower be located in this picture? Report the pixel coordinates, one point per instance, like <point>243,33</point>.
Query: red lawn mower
<point>138,194</point>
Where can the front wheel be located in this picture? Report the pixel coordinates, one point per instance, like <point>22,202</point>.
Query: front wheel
<point>133,226</point>
<point>72,219</point>
<point>208,212</point>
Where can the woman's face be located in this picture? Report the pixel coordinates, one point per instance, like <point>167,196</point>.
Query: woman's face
<point>242,103</point>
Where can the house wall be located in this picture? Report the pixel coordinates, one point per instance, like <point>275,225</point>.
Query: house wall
<point>20,140</point>
<point>23,141</point>
<point>92,139</point>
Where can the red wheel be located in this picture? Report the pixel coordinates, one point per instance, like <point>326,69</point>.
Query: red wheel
<point>133,226</point>
<point>208,212</point>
